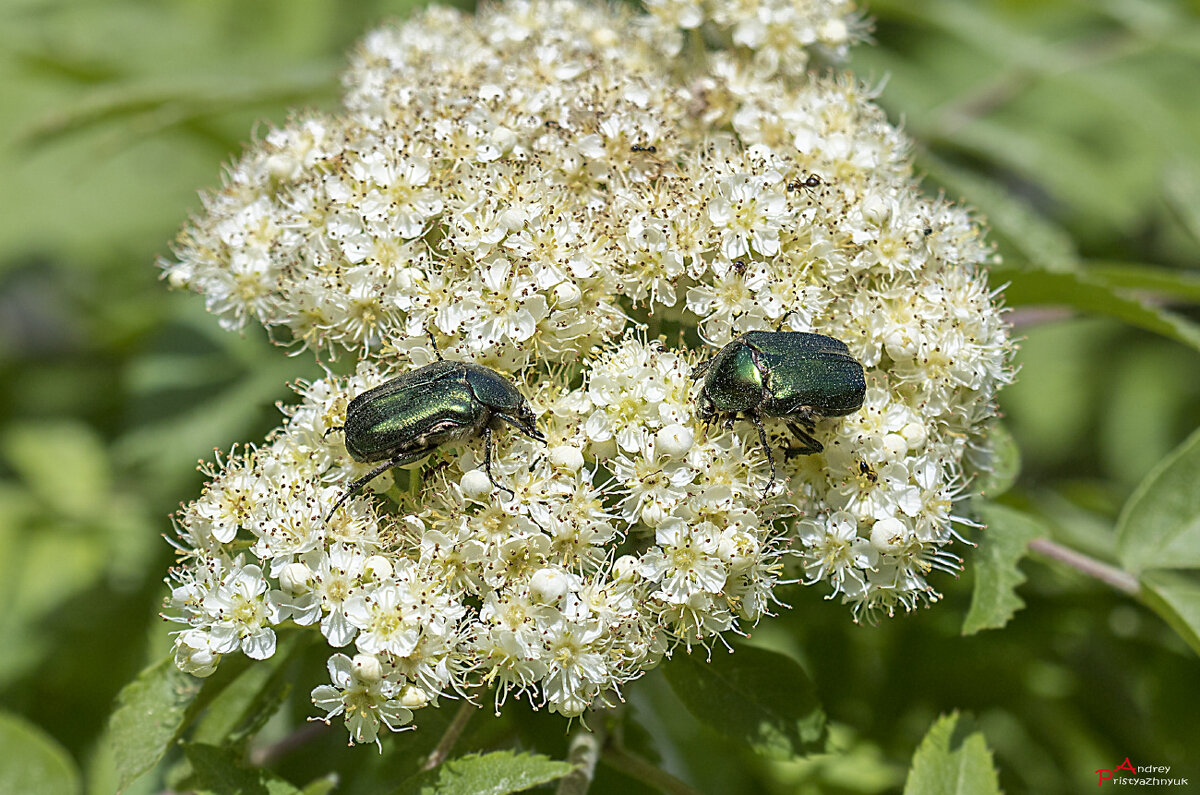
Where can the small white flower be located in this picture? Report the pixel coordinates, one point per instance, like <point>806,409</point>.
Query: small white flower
<point>360,692</point>
<point>385,622</point>
<point>237,614</point>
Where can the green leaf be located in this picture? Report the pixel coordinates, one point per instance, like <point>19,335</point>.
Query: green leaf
<point>241,708</point>
<point>1179,284</point>
<point>63,462</point>
<point>997,575</point>
<point>1181,189</point>
<point>497,773</point>
<point>151,711</point>
<point>321,786</point>
<point>220,771</point>
<point>154,105</point>
<point>1176,597</point>
<point>1029,232</point>
<point>1088,294</point>
<point>757,697</point>
<point>33,763</point>
<point>1000,464</point>
<point>1159,527</point>
<point>953,759</point>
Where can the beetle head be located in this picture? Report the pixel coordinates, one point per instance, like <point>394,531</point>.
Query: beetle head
<point>528,422</point>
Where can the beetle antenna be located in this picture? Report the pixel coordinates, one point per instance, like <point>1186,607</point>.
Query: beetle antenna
<point>433,342</point>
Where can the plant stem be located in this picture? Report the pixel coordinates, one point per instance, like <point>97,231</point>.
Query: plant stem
<point>450,737</point>
<point>584,752</point>
<point>263,756</point>
<point>1109,575</point>
<point>1027,316</point>
<point>636,767</point>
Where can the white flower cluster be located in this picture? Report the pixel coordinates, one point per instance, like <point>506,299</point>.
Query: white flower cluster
<point>537,185</point>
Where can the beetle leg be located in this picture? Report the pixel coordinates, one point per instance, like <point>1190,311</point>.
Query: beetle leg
<point>433,342</point>
<point>356,486</point>
<point>762,437</point>
<point>331,430</point>
<point>487,461</point>
<point>811,445</point>
<point>783,319</point>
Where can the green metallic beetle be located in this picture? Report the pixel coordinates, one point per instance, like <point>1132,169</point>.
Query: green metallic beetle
<point>411,415</point>
<point>793,375</point>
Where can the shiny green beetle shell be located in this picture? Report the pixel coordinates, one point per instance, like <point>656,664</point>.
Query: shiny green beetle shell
<point>411,415</point>
<point>795,376</point>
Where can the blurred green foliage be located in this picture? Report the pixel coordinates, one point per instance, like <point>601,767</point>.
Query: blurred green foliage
<point>1070,125</point>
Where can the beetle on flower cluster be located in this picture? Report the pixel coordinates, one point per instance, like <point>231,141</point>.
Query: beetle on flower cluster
<point>411,415</point>
<point>798,376</point>
<point>541,188</point>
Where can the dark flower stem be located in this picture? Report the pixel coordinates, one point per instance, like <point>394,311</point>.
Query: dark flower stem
<point>584,752</point>
<point>636,767</point>
<point>451,735</point>
<point>261,757</point>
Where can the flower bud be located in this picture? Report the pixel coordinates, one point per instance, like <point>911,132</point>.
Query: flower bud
<point>915,434</point>
<point>377,567</point>
<point>887,535</point>
<point>475,483</point>
<point>548,586</point>
<point>568,457</point>
<point>295,578</point>
<point>413,697</point>
<point>674,440</point>
<point>566,295</point>
<point>367,668</point>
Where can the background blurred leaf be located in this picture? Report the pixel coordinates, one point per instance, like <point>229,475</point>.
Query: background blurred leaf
<point>1176,597</point>
<point>1023,233</point>
<point>62,463</point>
<point>1082,292</point>
<point>1176,284</point>
<point>220,771</point>
<point>143,110</point>
<point>953,759</point>
<point>755,696</point>
<point>33,763</point>
<point>995,563</point>
<point>1001,463</point>
<point>151,711</point>
<point>238,710</point>
<point>497,773</point>
<point>1160,524</point>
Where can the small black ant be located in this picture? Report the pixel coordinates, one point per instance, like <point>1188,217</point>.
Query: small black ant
<point>813,181</point>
